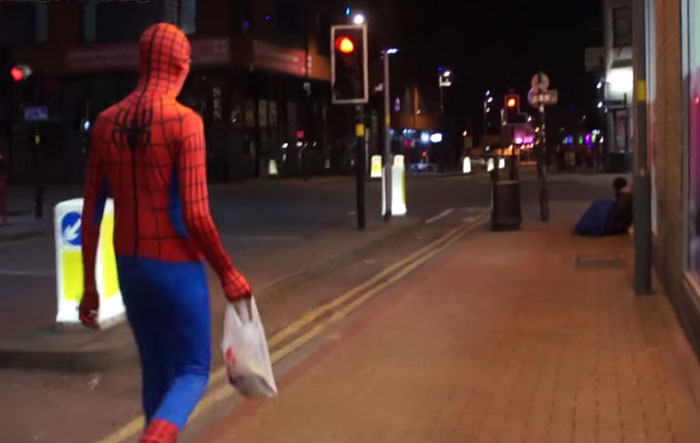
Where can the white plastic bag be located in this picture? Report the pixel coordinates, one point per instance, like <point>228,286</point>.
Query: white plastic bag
<point>245,351</point>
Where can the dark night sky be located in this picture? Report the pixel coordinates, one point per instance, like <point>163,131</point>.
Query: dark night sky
<point>499,45</point>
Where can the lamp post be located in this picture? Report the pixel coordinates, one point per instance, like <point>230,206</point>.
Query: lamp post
<point>488,99</point>
<point>444,81</point>
<point>387,134</point>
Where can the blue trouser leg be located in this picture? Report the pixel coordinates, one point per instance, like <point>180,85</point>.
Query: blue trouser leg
<point>168,309</point>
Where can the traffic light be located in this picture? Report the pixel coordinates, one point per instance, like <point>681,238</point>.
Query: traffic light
<point>349,64</point>
<point>512,108</point>
<point>20,72</point>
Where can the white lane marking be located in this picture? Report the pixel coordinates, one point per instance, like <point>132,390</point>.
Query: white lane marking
<point>31,273</point>
<point>441,215</point>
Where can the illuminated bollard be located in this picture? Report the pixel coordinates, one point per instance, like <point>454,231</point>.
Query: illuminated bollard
<point>376,169</point>
<point>272,168</point>
<point>69,265</point>
<point>398,188</point>
<point>467,165</point>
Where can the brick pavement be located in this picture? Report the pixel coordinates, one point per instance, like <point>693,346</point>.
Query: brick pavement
<point>502,339</point>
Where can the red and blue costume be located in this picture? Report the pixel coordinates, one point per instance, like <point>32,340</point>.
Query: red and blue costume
<point>148,154</point>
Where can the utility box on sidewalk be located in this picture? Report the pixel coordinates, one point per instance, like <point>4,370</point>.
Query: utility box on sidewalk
<point>69,265</point>
<point>506,212</point>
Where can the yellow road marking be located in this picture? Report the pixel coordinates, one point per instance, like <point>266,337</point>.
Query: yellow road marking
<point>226,391</point>
<point>409,263</point>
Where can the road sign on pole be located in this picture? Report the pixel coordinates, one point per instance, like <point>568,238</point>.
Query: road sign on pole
<point>540,81</point>
<point>538,98</point>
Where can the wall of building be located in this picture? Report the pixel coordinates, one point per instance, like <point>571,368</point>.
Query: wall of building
<point>669,120</point>
<point>247,56</point>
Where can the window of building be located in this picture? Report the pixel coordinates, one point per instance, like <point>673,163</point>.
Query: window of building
<point>693,56</point>
<point>125,20</point>
<point>652,119</point>
<point>241,15</point>
<point>187,15</point>
<point>18,24</point>
<point>290,16</point>
<point>622,26</point>
<point>323,32</point>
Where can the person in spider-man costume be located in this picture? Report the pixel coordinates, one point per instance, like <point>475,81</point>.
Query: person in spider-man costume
<point>148,154</point>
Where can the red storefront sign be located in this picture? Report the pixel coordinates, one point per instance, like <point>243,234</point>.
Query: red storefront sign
<point>124,56</point>
<point>277,58</point>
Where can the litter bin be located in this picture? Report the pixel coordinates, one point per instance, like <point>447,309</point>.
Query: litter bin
<point>506,212</point>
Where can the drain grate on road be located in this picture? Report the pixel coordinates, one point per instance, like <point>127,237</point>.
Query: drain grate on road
<point>599,262</point>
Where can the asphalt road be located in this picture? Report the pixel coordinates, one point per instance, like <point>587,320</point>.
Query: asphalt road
<point>271,229</point>
<point>261,217</point>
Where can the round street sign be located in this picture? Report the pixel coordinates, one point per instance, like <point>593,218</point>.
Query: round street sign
<point>540,81</point>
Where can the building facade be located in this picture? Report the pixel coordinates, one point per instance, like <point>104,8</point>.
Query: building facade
<point>260,79</point>
<point>673,97</point>
<point>617,84</point>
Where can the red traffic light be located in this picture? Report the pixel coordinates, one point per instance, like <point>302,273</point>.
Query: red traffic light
<point>512,102</point>
<point>345,45</point>
<point>17,74</point>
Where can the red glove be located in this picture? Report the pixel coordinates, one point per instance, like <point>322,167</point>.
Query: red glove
<point>237,288</point>
<point>89,308</point>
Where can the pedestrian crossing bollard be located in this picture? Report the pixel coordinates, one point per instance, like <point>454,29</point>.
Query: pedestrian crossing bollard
<point>69,265</point>
<point>272,168</point>
<point>398,188</point>
<point>376,169</point>
<point>467,165</point>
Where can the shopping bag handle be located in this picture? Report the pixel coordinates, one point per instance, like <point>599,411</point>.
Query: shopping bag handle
<point>244,309</point>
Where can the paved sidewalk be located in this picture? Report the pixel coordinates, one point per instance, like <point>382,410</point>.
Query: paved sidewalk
<point>531,336</point>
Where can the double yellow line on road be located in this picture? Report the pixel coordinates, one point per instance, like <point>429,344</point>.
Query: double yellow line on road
<point>351,300</point>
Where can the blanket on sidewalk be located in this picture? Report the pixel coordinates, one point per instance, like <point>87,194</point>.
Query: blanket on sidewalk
<point>597,220</point>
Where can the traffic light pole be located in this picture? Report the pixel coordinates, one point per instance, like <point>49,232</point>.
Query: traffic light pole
<point>360,167</point>
<point>387,142</point>
<point>542,169</point>
<point>39,197</point>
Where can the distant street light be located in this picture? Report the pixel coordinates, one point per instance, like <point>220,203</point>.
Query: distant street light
<point>443,82</point>
<point>599,85</point>
<point>392,51</point>
<point>358,19</point>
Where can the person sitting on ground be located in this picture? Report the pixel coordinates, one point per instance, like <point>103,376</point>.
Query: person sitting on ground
<point>608,216</point>
<point>621,219</point>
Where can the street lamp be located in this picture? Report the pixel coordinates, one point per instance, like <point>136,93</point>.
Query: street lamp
<point>359,19</point>
<point>444,82</point>
<point>387,135</point>
<point>488,99</point>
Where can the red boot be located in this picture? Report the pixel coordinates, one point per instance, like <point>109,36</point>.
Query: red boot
<point>159,431</point>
